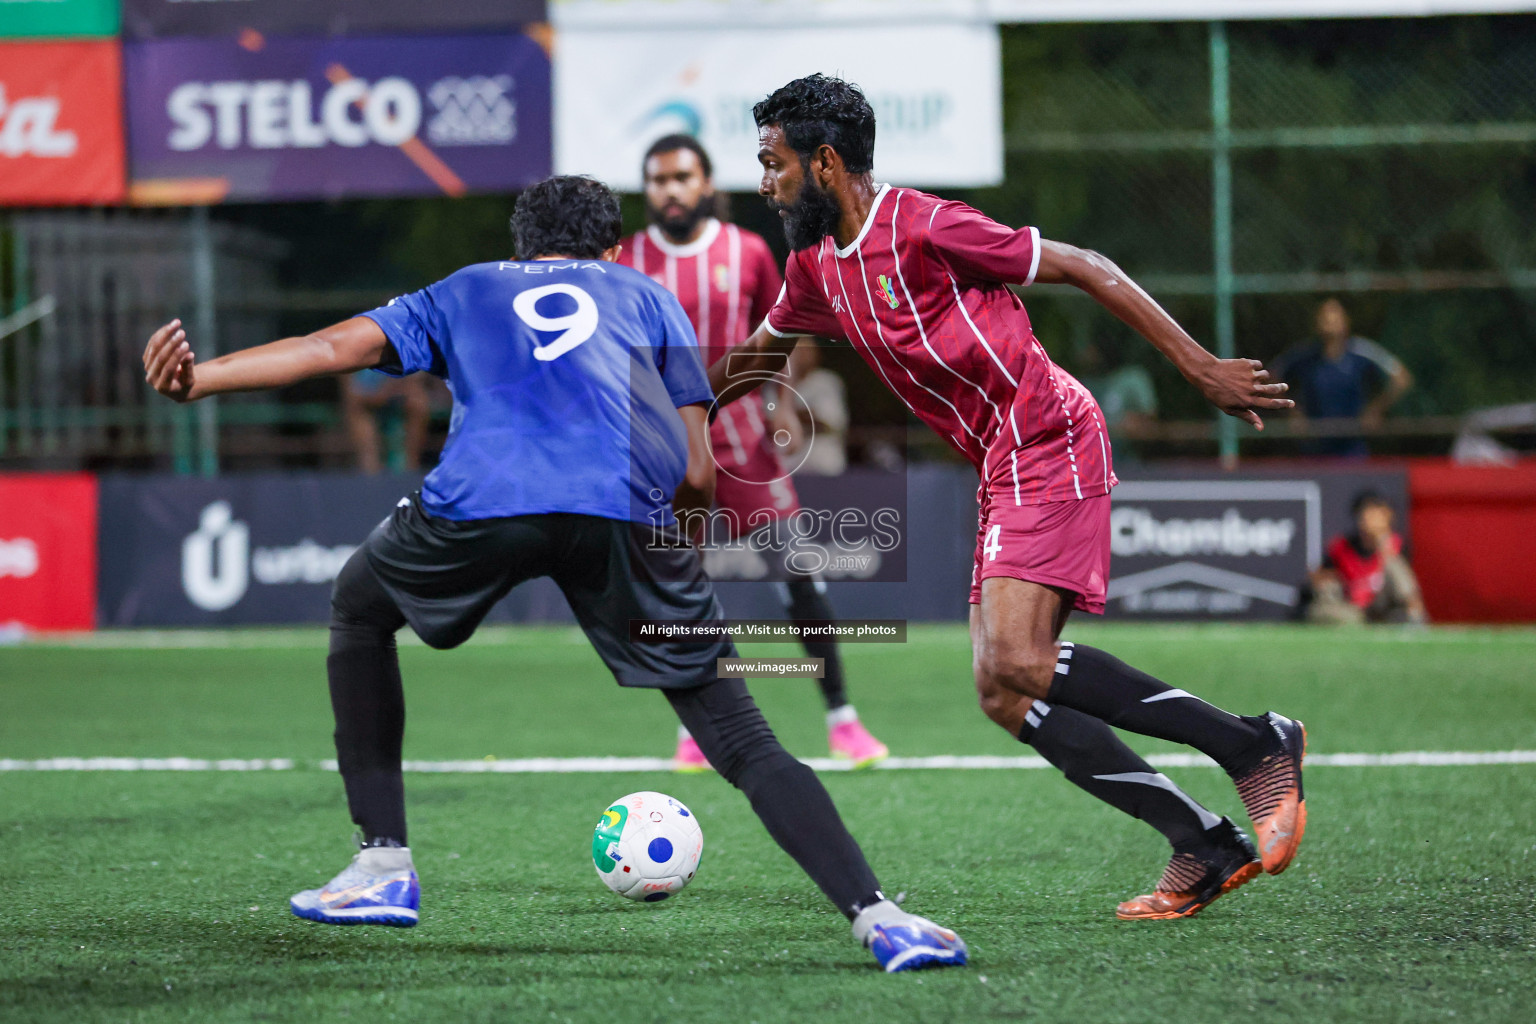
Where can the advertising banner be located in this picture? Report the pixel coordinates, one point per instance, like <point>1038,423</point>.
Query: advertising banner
<point>54,19</point>
<point>48,551</point>
<point>245,549</point>
<point>280,119</point>
<point>1222,546</point>
<point>61,123</point>
<point>936,90</point>
<point>153,19</point>
<point>266,548</point>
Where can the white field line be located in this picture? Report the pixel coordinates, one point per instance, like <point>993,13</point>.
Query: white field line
<point>603,765</point>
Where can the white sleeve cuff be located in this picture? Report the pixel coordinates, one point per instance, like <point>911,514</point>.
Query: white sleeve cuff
<point>1034,258</point>
<point>783,334</point>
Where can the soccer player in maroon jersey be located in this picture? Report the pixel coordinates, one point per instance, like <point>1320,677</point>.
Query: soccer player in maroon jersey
<point>921,288</point>
<point>726,279</point>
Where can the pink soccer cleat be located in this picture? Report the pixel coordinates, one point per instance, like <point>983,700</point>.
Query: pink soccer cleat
<point>850,741</point>
<point>689,758</point>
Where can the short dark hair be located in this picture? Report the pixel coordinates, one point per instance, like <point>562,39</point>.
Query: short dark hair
<point>673,143</point>
<point>1367,498</point>
<point>567,215</point>
<point>818,110</point>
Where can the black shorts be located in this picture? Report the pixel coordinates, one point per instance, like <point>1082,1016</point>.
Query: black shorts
<point>445,575</point>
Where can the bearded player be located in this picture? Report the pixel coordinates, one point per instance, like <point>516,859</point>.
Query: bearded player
<point>921,288</point>
<point>580,410</point>
<point>726,279</point>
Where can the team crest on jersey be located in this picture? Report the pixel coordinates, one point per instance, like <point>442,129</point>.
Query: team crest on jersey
<point>887,293</point>
<point>722,278</point>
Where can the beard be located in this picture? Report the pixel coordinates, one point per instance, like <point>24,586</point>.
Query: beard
<point>810,218</point>
<point>678,225</point>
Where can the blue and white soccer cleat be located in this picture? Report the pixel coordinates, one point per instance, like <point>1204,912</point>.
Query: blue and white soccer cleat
<point>378,887</point>
<point>906,942</point>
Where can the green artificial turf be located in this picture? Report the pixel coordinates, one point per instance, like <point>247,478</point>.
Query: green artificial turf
<point>161,896</point>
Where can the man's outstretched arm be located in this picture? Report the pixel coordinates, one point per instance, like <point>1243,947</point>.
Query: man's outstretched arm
<point>171,368</point>
<point>1238,387</point>
<point>749,365</point>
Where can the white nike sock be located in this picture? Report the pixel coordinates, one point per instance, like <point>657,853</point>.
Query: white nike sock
<point>875,913</point>
<point>838,716</point>
<point>381,860</point>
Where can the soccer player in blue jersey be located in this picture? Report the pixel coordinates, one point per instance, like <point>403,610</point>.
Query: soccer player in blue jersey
<point>580,410</point>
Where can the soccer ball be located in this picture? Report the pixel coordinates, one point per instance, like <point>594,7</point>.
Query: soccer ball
<point>647,846</point>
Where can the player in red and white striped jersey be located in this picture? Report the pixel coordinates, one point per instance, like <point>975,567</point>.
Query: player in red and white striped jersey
<point>922,288</point>
<point>727,279</point>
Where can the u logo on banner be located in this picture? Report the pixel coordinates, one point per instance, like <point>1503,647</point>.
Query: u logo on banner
<point>215,560</point>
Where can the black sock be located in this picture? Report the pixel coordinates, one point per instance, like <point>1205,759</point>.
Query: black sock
<point>787,795</point>
<point>368,701</point>
<point>806,603</point>
<point>1099,684</point>
<point>1096,760</point>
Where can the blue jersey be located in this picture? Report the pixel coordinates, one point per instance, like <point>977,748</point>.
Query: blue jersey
<point>566,378</point>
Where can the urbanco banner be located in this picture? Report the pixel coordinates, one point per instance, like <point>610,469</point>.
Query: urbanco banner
<point>295,118</point>
<point>936,90</point>
<point>61,123</point>
<point>241,549</point>
<point>152,19</point>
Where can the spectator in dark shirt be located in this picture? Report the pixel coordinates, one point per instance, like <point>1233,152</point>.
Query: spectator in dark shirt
<point>1366,577</point>
<point>1340,376</point>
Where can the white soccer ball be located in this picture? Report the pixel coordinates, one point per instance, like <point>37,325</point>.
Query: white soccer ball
<point>647,846</point>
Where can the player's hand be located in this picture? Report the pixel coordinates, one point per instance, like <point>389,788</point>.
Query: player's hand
<point>1239,387</point>
<point>168,362</point>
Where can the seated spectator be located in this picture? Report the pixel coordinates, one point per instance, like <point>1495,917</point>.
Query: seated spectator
<point>1365,577</point>
<point>1125,395</point>
<point>367,394</point>
<point>1340,376</point>
<point>826,409</point>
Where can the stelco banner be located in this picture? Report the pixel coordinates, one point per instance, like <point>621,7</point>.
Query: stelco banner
<point>150,19</point>
<point>56,18</point>
<point>48,551</point>
<point>1229,547</point>
<point>284,119</point>
<point>61,127</point>
<point>936,90</point>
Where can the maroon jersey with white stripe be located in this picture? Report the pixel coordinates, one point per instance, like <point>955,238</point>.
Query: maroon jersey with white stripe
<point>726,281</point>
<point>922,295</point>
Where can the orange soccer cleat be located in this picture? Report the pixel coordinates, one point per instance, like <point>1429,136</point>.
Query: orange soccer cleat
<point>1273,796</point>
<point>1193,881</point>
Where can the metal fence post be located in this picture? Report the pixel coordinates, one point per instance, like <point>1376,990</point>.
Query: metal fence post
<point>206,338</point>
<point>1221,220</point>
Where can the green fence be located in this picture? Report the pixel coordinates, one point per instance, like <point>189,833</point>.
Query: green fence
<point>1243,171</point>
